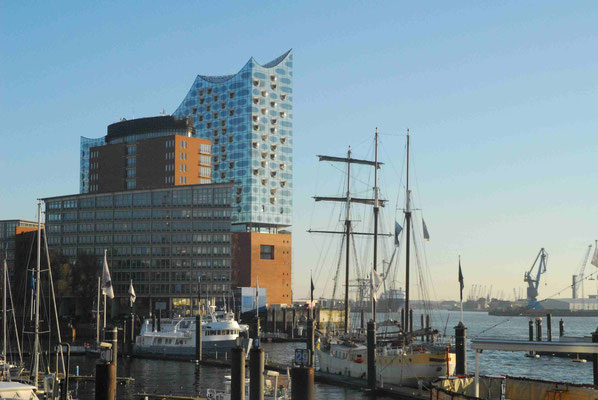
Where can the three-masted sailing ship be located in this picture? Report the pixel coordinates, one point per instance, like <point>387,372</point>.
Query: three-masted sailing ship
<point>397,358</point>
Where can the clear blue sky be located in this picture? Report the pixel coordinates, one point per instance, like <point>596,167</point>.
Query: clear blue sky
<point>501,99</point>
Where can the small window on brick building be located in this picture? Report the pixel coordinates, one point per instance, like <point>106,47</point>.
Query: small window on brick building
<point>266,252</point>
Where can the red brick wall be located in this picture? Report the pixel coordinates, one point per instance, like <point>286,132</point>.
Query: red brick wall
<point>274,275</point>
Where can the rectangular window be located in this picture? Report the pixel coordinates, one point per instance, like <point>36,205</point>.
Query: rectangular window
<point>266,252</point>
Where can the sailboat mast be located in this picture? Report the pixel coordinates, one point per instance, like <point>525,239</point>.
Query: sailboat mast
<point>4,307</point>
<point>408,229</point>
<point>348,234</point>
<point>376,211</point>
<point>98,312</point>
<point>36,347</point>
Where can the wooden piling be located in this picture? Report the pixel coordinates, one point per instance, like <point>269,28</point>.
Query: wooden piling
<point>302,387</point>
<point>461,349</point>
<point>256,373</point>
<point>238,373</point>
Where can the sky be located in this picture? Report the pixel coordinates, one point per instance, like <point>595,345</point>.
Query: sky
<point>500,99</point>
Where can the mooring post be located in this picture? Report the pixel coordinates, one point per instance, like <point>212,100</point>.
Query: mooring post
<point>105,383</point>
<point>238,373</point>
<point>549,327</point>
<point>362,319</point>
<point>595,357</point>
<point>198,339</point>
<point>125,333</point>
<point>461,349</point>
<point>371,349</point>
<point>403,326</point>
<point>284,321</point>
<point>154,322</point>
<point>539,329</point>
<point>160,321</point>
<point>256,373</point>
<point>266,317</point>
<point>302,387</point>
<point>531,333</point>
<point>132,336</point>
<point>311,342</point>
<point>274,316</point>
<point>561,328</point>
<point>294,316</point>
<point>428,328</point>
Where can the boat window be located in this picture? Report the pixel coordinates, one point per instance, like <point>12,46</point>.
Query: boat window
<point>159,340</point>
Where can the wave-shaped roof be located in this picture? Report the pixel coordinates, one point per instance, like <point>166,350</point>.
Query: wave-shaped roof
<point>224,78</point>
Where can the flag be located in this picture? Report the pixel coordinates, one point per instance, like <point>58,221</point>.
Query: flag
<point>398,230</point>
<point>312,288</point>
<point>106,281</point>
<point>257,295</point>
<point>595,257</point>
<point>376,282</point>
<point>461,285</point>
<point>132,295</point>
<point>426,233</point>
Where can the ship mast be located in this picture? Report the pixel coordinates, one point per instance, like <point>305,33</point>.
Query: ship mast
<point>408,232</point>
<point>4,307</point>
<point>347,239</point>
<point>348,199</point>
<point>376,212</point>
<point>36,347</point>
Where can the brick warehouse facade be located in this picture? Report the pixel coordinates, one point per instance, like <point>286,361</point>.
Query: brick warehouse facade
<point>265,257</point>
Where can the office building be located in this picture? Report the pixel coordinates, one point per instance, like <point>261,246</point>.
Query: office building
<point>146,153</point>
<point>161,239</point>
<point>9,229</point>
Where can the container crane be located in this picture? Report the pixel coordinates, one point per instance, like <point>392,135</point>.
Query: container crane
<point>533,284</point>
<point>579,277</point>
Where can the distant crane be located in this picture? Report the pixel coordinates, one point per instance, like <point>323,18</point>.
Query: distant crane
<point>533,284</point>
<point>579,277</point>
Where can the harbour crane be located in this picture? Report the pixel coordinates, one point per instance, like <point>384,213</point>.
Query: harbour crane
<point>579,277</point>
<point>534,283</point>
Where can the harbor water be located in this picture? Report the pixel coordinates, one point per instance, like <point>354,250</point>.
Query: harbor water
<point>187,379</point>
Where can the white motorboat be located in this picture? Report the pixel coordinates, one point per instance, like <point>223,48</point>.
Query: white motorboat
<point>16,390</point>
<point>176,337</point>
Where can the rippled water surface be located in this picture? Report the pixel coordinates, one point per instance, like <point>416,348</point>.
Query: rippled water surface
<point>184,378</point>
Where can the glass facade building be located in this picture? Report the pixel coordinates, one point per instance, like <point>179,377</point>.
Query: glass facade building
<point>248,117</point>
<point>162,239</point>
<point>86,145</point>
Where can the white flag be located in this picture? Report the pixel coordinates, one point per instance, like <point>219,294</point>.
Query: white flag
<point>595,257</point>
<point>106,281</point>
<point>376,282</point>
<point>132,295</point>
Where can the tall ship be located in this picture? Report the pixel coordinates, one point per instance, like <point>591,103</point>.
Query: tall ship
<point>176,336</point>
<point>398,354</point>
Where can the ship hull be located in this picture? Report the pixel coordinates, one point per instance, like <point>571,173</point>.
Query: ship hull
<point>403,370</point>
<point>208,348</point>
